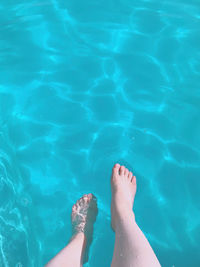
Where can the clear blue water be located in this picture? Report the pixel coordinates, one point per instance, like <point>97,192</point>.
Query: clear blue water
<point>86,84</point>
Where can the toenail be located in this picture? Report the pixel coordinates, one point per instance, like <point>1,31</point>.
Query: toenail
<point>133,179</point>
<point>116,166</point>
<point>122,169</point>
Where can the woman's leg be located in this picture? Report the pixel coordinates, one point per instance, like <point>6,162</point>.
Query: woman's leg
<point>132,249</point>
<point>83,217</point>
<point>72,254</point>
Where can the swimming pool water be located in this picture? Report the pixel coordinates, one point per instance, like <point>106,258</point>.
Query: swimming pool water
<point>86,84</point>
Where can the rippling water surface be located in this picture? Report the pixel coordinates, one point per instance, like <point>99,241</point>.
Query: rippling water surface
<point>85,84</point>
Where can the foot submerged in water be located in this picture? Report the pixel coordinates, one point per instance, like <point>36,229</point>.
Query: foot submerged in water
<point>83,216</point>
<point>123,185</point>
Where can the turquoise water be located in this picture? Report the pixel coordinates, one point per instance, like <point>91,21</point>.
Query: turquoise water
<point>86,84</point>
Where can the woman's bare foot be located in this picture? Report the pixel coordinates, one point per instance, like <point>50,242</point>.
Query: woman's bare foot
<point>123,185</point>
<point>131,246</point>
<point>83,216</point>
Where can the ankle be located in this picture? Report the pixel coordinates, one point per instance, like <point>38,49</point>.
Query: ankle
<point>79,236</point>
<point>123,207</point>
<point>123,222</point>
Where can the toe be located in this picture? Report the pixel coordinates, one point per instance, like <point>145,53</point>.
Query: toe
<point>122,170</point>
<point>116,168</point>
<point>80,201</point>
<point>133,180</point>
<point>130,175</point>
<point>126,172</point>
<point>90,196</point>
<point>85,198</point>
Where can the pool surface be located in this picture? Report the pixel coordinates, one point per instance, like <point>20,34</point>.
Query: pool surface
<point>84,85</point>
